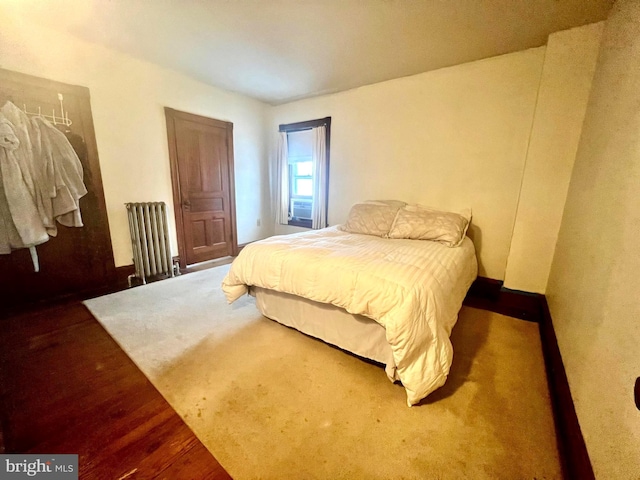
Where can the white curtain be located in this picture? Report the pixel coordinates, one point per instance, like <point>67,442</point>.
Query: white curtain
<point>282,184</point>
<point>319,208</point>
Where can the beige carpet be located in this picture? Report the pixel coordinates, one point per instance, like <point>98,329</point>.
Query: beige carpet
<point>271,403</point>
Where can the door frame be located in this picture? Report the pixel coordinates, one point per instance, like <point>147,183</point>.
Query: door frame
<point>171,116</point>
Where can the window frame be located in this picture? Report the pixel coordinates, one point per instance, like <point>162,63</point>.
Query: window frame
<point>297,127</point>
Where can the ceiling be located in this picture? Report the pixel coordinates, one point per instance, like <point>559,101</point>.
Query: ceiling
<point>282,50</point>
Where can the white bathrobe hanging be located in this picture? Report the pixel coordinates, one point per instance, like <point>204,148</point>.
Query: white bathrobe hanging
<point>41,182</point>
<point>20,224</point>
<point>62,174</point>
<point>9,236</point>
<point>28,161</point>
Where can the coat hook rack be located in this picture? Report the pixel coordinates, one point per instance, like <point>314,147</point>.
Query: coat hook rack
<point>62,119</point>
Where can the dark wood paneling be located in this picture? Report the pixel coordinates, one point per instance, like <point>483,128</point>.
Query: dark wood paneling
<point>78,259</point>
<point>66,387</point>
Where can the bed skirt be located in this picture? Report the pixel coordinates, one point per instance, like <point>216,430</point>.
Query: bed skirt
<point>355,333</point>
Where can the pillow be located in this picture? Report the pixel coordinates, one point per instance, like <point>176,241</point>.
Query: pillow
<point>371,218</point>
<point>424,223</point>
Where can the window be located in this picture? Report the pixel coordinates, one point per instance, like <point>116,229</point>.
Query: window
<point>303,162</point>
<point>301,179</point>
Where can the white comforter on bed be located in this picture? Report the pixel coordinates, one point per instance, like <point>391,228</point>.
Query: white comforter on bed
<point>413,288</point>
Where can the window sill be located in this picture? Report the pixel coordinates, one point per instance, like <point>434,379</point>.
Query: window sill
<point>294,222</point>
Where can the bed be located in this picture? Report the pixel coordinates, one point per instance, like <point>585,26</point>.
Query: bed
<point>392,300</point>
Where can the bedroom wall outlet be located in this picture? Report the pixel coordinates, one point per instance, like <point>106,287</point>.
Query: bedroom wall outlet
<point>636,393</point>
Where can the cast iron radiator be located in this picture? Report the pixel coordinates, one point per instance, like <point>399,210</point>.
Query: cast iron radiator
<point>150,241</point>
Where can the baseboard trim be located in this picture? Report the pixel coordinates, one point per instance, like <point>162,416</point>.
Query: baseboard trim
<point>573,451</point>
<point>123,272</point>
<point>122,276</point>
<point>490,294</point>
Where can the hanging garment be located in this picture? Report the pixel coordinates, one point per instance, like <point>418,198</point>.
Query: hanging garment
<point>26,157</point>
<point>20,224</point>
<point>9,237</point>
<point>8,138</point>
<point>41,182</point>
<point>61,173</point>
<point>80,147</point>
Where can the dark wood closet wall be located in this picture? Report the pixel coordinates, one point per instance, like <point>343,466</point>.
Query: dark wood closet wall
<point>78,260</point>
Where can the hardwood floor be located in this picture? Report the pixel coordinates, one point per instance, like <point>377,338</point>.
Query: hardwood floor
<point>67,387</point>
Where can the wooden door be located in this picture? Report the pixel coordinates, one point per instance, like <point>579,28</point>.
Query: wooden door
<point>201,154</point>
<point>77,260</point>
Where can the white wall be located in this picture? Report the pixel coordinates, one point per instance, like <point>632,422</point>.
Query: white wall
<point>450,138</point>
<point>594,291</point>
<point>128,97</point>
<point>569,63</point>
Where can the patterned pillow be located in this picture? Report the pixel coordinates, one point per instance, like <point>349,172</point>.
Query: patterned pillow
<point>424,223</point>
<point>371,218</point>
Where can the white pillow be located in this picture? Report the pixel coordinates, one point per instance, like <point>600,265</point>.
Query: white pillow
<point>424,223</point>
<point>371,218</point>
